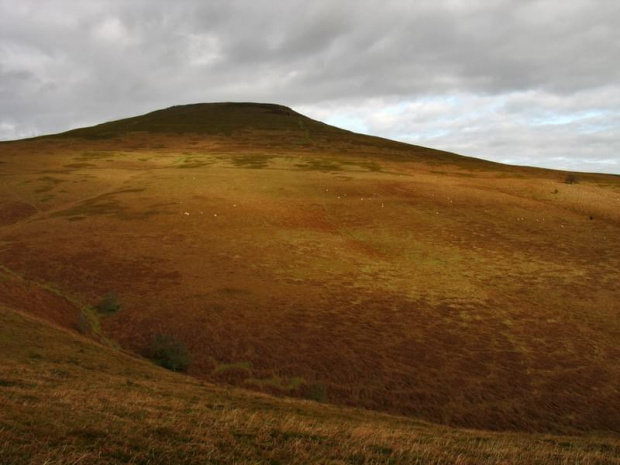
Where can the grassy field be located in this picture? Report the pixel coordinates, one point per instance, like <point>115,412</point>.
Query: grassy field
<point>67,400</point>
<point>297,259</point>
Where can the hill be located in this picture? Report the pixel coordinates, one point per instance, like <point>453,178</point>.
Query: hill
<point>65,399</point>
<point>252,126</point>
<point>298,259</point>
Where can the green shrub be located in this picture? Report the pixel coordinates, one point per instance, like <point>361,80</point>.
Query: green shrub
<point>316,392</point>
<point>169,352</point>
<point>109,304</point>
<point>571,179</point>
<point>83,323</point>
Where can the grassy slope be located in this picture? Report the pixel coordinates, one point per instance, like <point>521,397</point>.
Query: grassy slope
<point>66,400</point>
<point>320,263</point>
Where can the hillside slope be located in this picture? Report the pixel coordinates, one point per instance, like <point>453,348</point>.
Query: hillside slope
<point>299,259</point>
<point>252,126</point>
<point>65,400</point>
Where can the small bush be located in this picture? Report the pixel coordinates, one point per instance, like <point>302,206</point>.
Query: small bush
<point>83,323</point>
<point>571,179</point>
<point>316,392</point>
<point>169,352</point>
<point>109,304</point>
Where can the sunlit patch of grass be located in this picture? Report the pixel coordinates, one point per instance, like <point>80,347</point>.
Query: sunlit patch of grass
<point>320,165</point>
<point>80,165</point>
<point>51,180</point>
<point>233,291</point>
<point>236,366</point>
<point>93,155</point>
<point>251,161</point>
<point>365,164</point>
<point>188,160</point>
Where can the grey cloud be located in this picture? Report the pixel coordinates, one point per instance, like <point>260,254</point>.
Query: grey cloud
<point>66,63</point>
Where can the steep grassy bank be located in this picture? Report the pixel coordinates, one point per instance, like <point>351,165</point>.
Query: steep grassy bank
<point>66,400</point>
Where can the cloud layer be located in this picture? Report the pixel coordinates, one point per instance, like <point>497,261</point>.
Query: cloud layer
<point>530,82</point>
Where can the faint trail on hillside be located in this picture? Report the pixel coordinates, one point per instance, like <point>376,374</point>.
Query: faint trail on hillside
<point>45,213</point>
<point>23,200</point>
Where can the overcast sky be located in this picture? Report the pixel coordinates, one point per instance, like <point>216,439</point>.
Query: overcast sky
<point>532,82</point>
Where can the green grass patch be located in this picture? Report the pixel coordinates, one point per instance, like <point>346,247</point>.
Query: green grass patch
<point>277,382</point>
<point>192,161</point>
<point>233,291</point>
<point>320,165</point>
<point>237,366</point>
<point>251,161</point>
<point>50,179</point>
<point>366,165</point>
<point>93,155</point>
<point>79,165</point>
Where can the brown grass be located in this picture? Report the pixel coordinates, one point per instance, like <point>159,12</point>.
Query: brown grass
<point>67,400</point>
<point>361,271</point>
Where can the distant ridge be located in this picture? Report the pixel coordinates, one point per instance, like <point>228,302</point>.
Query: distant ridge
<point>207,118</point>
<point>262,126</point>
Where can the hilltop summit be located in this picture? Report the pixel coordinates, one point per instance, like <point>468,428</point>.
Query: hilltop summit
<point>254,126</point>
<point>206,118</point>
